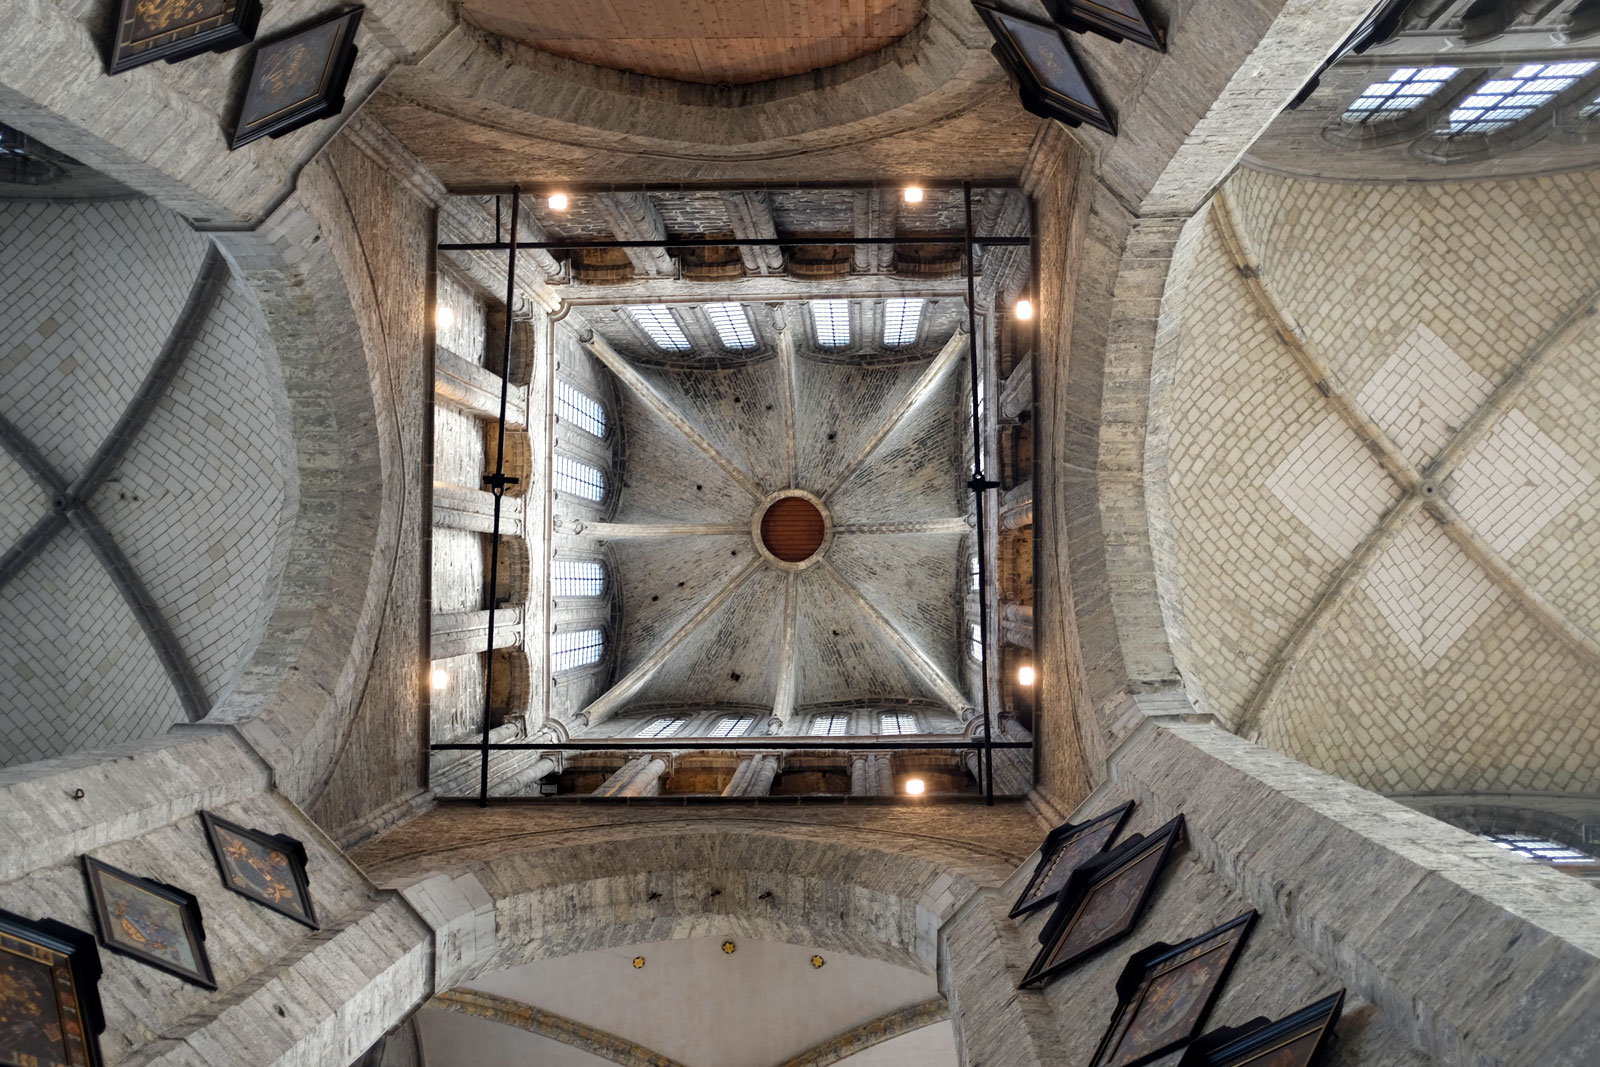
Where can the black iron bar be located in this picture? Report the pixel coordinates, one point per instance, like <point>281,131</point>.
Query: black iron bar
<point>732,242</point>
<point>497,485</point>
<point>717,744</point>
<point>980,486</point>
<point>576,189</point>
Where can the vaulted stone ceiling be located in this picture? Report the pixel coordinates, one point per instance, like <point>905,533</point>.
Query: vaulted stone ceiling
<point>881,448</point>
<point>729,42</point>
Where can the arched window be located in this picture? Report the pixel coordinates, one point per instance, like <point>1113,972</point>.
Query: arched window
<point>657,321</point>
<point>1591,109</point>
<point>901,320</point>
<point>577,578</point>
<point>975,650</point>
<point>665,726</point>
<point>579,408</point>
<point>898,722</point>
<point>1402,91</point>
<point>578,478</point>
<point>572,649</point>
<point>1510,98</point>
<point>732,324</point>
<point>836,725</point>
<point>831,319</point>
<point>733,726</point>
<point>1541,849</point>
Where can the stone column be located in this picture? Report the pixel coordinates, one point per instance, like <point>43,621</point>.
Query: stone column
<point>459,633</point>
<point>753,778</point>
<point>1016,625</point>
<point>871,776</point>
<point>639,777</point>
<point>1016,508</point>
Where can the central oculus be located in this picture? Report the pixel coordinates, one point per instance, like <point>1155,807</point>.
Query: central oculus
<point>792,529</point>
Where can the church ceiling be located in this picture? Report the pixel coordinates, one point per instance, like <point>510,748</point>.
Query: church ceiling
<point>880,446</point>
<point>1383,531</point>
<point>718,42</point>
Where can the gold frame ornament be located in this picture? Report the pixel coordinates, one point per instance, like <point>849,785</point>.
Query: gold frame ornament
<point>49,998</point>
<point>175,30</point>
<point>269,869</point>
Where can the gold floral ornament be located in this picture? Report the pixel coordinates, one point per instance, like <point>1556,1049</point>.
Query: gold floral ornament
<point>638,962</point>
<point>729,947</point>
<point>817,961</point>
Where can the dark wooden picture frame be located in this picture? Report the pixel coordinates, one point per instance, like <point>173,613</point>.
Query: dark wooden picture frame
<point>1120,20</point>
<point>1049,80</point>
<point>297,79</point>
<point>269,869</point>
<point>1166,991</point>
<point>50,1011</point>
<point>149,921</point>
<point>175,30</point>
<point>1102,901</point>
<point>1064,849</point>
<point>1296,1040</point>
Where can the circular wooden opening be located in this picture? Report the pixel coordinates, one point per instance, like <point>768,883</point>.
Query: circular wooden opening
<point>792,529</point>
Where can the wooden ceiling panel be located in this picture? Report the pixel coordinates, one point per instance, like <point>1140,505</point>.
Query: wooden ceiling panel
<point>711,41</point>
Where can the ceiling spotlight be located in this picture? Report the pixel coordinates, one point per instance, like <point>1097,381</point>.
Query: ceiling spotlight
<point>638,962</point>
<point>1024,675</point>
<point>817,961</point>
<point>914,787</point>
<point>558,201</point>
<point>439,677</point>
<point>913,194</point>
<point>729,947</point>
<point>444,317</point>
<point>1024,309</point>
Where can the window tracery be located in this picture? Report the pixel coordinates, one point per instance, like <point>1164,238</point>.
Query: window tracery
<point>835,725</point>
<point>1507,100</point>
<point>657,321</point>
<point>902,318</point>
<point>831,319</point>
<point>733,726</point>
<point>897,722</point>
<point>665,726</point>
<point>577,578</point>
<point>733,325</point>
<point>1403,91</point>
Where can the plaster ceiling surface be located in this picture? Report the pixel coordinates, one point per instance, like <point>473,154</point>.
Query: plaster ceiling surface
<point>1385,547</point>
<point>713,41</point>
<point>700,1006</point>
<point>880,446</point>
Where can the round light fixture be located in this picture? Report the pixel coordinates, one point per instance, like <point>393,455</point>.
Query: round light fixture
<point>913,194</point>
<point>638,962</point>
<point>914,787</point>
<point>1024,309</point>
<point>439,677</point>
<point>817,961</point>
<point>729,947</point>
<point>558,201</point>
<point>444,318</point>
<point>1024,675</point>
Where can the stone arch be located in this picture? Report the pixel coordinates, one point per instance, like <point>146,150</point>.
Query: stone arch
<point>912,899</point>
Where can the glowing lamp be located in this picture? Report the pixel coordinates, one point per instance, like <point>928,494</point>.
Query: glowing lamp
<point>914,787</point>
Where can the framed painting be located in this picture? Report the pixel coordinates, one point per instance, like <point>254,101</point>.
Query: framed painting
<point>297,79</point>
<point>1165,992</point>
<point>1063,850</point>
<point>173,30</point>
<point>270,869</point>
<point>154,923</point>
<point>1102,900</point>
<point>49,1000</point>
<point>1296,1040</point>
<point>1049,80</point>
<point>1119,20</point>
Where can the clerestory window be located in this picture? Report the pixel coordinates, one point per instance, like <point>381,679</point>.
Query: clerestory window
<point>657,321</point>
<point>1540,848</point>
<point>1402,91</point>
<point>830,725</point>
<point>1507,100</point>
<point>571,649</point>
<point>665,726</point>
<point>579,408</point>
<point>577,578</point>
<point>901,320</point>
<point>732,324</point>
<point>831,318</point>
<point>897,722</point>
<point>975,650</point>
<point>733,726</point>
<point>578,478</point>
